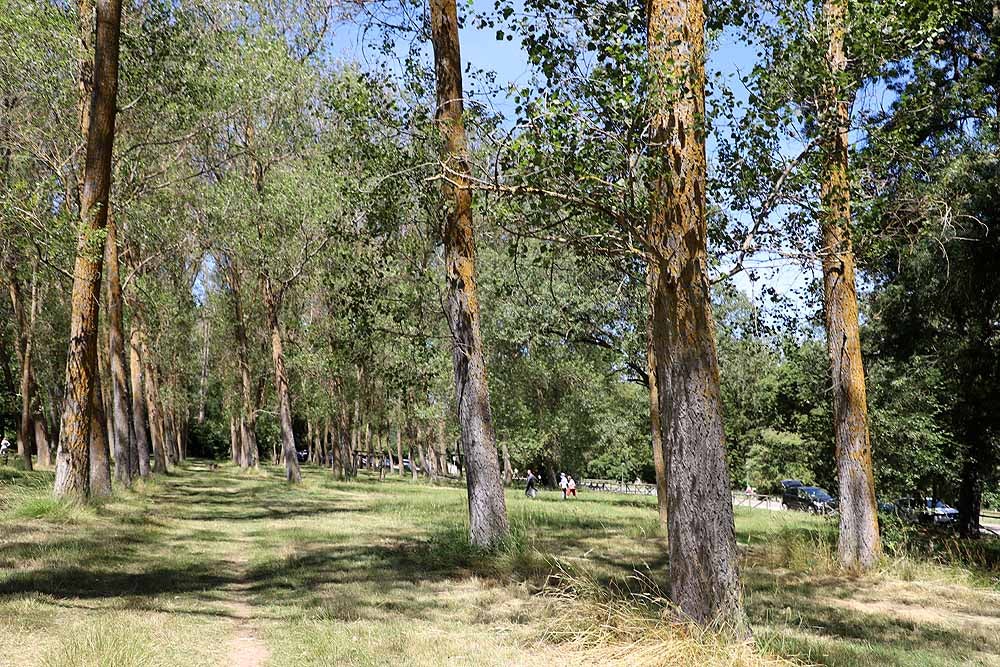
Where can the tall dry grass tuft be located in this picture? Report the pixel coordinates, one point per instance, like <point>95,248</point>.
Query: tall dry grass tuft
<point>633,624</point>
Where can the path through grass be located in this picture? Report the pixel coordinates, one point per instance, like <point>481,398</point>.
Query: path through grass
<point>221,567</point>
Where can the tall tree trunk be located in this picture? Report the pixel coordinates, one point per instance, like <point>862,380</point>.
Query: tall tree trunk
<point>430,458</point>
<point>26,339</point>
<point>42,441</point>
<point>100,451</point>
<point>659,456</point>
<point>8,376</point>
<point>72,457</point>
<point>488,524</point>
<point>346,453</point>
<point>139,421</point>
<point>121,413</point>
<point>203,379</point>
<point>271,301</point>
<point>153,408</point>
<point>399,448</point>
<point>704,576</point>
<point>248,451</point>
<point>311,447</point>
<point>234,443</point>
<point>508,472</point>
<point>970,491</point>
<point>859,547</point>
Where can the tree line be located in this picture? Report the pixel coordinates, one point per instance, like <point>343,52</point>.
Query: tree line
<point>219,240</point>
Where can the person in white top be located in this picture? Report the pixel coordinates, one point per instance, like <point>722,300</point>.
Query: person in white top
<point>571,487</point>
<point>5,449</point>
<point>563,484</point>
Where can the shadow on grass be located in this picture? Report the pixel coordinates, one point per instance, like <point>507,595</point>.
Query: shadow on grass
<point>201,539</point>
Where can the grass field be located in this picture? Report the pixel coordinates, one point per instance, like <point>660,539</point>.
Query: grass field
<point>221,567</point>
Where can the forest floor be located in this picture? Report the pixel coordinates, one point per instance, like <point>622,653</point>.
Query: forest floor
<point>223,567</point>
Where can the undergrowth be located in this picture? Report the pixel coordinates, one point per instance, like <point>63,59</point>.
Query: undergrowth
<point>631,623</point>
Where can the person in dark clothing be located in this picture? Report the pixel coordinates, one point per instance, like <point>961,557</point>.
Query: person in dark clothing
<point>529,489</point>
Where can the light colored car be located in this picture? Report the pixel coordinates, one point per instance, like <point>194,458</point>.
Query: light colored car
<point>934,511</point>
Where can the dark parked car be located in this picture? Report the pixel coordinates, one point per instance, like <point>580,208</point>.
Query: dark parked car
<point>931,511</point>
<point>808,499</point>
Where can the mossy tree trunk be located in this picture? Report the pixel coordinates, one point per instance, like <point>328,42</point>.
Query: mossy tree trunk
<point>72,457</point>
<point>859,546</point>
<point>704,576</point>
<point>487,506</point>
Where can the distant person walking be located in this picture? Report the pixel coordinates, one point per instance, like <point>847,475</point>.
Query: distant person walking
<point>529,488</point>
<point>5,449</point>
<point>563,484</point>
<point>571,486</point>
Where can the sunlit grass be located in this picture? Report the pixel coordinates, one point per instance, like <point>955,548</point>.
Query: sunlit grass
<point>381,573</point>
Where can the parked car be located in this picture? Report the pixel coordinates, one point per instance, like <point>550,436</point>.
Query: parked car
<point>885,507</point>
<point>808,499</point>
<point>932,511</point>
<point>790,484</point>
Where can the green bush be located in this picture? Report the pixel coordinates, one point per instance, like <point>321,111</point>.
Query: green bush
<point>777,455</point>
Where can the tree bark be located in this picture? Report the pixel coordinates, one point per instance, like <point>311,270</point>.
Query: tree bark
<point>488,524</point>
<point>100,451</point>
<point>153,407</point>
<point>233,442</point>
<point>26,339</point>
<point>704,576</point>
<point>139,422</point>
<point>121,413</point>
<point>42,441</point>
<point>203,379</point>
<point>292,472</point>
<point>248,453</point>
<point>508,472</point>
<point>72,457</point>
<point>859,546</point>
<point>427,458</point>
<point>970,490</point>
<point>399,448</point>
<point>659,456</point>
